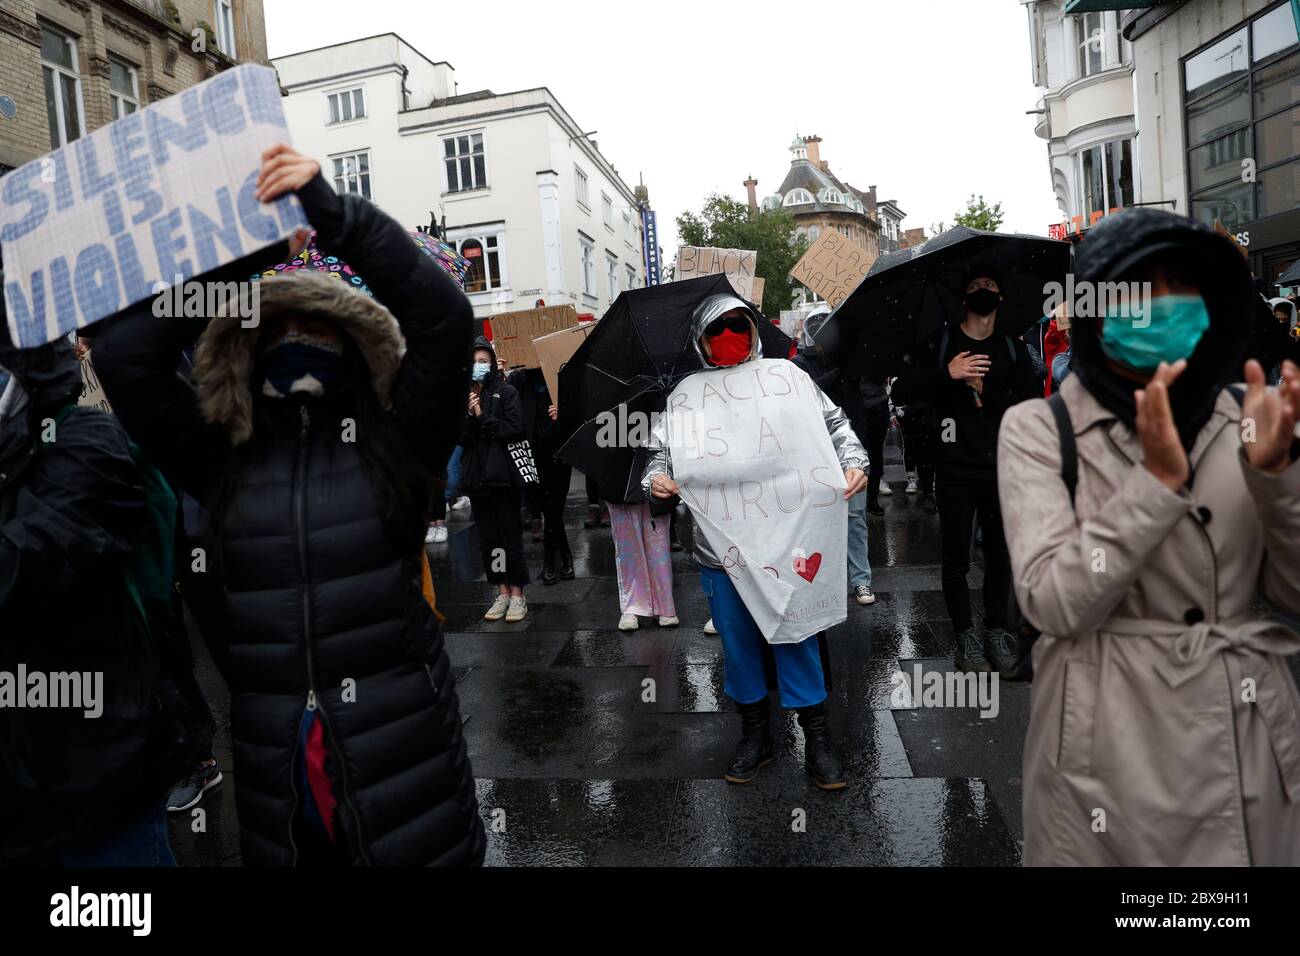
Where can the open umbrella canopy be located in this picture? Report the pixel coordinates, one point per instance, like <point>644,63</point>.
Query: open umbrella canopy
<point>621,376</point>
<point>311,257</point>
<point>909,296</point>
<point>1291,275</point>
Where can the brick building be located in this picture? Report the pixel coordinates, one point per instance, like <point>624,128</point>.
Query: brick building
<point>69,66</point>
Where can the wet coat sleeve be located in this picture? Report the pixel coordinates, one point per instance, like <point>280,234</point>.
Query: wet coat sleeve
<point>658,461</point>
<point>1053,554</point>
<point>1277,502</point>
<point>436,319</point>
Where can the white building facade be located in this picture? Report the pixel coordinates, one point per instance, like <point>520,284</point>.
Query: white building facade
<point>525,196</point>
<point>1218,98</point>
<point>1083,68</point>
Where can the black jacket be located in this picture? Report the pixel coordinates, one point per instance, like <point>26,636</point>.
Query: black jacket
<point>71,512</point>
<point>534,404</point>
<point>847,393</point>
<point>320,606</point>
<point>967,433</point>
<point>485,464</point>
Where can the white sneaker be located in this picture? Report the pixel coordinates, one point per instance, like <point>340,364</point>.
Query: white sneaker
<point>628,622</point>
<point>459,503</point>
<point>669,621</point>
<point>518,609</point>
<point>911,484</point>
<point>885,490</point>
<point>709,628</point>
<point>431,536</point>
<point>498,609</point>
<point>864,595</point>
<point>436,535</point>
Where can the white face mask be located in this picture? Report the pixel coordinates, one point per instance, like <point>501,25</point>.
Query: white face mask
<point>481,370</point>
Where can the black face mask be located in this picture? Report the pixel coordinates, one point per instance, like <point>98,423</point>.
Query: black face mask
<point>983,301</point>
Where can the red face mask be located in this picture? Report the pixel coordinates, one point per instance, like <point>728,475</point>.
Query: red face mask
<point>730,348</point>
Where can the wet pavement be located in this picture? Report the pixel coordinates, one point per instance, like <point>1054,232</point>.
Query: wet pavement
<point>596,747</point>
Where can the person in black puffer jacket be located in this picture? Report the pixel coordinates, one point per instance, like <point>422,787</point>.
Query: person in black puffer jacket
<point>492,479</point>
<point>311,441</point>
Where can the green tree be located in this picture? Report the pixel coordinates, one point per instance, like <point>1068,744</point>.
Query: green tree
<point>727,223</point>
<point>980,215</point>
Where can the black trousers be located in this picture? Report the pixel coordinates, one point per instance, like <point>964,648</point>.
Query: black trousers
<point>918,450</point>
<point>877,422</point>
<point>960,501</point>
<point>500,536</point>
<point>554,493</point>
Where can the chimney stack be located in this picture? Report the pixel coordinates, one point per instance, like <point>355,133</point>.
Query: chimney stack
<point>751,186</point>
<point>815,151</point>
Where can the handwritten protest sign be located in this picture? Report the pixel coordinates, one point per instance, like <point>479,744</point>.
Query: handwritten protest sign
<point>756,292</point>
<point>513,332</point>
<point>167,191</point>
<point>92,392</point>
<point>736,264</point>
<point>557,348</point>
<point>757,470</point>
<point>832,267</point>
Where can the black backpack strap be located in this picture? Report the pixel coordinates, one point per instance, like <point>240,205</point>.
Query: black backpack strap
<point>1236,392</point>
<point>1065,433</point>
<point>1011,349</point>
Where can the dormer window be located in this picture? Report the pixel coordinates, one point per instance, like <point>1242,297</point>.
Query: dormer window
<point>772,202</point>
<point>832,196</point>
<point>798,197</point>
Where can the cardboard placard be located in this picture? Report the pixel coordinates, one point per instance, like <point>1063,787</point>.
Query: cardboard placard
<point>791,322</point>
<point>832,267</point>
<point>165,192</point>
<point>513,332</point>
<point>736,264</point>
<point>557,348</point>
<point>92,392</point>
<point>757,292</point>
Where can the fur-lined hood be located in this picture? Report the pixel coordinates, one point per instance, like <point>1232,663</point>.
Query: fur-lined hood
<point>227,351</point>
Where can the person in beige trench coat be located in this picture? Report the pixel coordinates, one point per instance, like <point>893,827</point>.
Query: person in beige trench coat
<point>1164,724</point>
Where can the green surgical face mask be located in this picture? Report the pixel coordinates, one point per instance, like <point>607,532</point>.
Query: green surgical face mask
<point>1174,328</point>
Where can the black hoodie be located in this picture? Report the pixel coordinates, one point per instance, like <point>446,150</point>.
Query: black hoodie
<point>1113,249</point>
<point>485,464</point>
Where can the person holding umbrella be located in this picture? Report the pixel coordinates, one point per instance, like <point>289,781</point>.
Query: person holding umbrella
<point>973,374</point>
<point>1143,524</point>
<point>726,334</point>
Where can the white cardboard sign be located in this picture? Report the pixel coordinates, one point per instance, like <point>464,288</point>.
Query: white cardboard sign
<point>759,473</point>
<point>87,230</point>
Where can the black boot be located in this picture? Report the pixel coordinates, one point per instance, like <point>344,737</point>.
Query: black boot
<point>566,565</point>
<point>819,750</point>
<point>548,570</point>
<point>755,749</point>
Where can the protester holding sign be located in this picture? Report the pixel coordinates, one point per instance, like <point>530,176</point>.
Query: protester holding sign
<point>554,475</point>
<point>311,441</point>
<point>490,473</point>
<point>766,463</point>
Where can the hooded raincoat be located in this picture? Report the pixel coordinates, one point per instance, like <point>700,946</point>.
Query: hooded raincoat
<point>1164,725</point>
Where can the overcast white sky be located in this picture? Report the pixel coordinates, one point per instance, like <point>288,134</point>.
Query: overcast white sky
<point>924,98</point>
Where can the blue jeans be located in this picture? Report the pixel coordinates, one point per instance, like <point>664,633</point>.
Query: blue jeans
<point>859,566</point>
<point>453,474</point>
<point>799,673</point>
<point>142,842</point>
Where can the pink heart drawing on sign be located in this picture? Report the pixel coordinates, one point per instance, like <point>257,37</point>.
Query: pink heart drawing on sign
<point>806,568</point>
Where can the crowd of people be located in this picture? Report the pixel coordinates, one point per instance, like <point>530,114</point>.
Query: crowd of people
<point>282,484</point>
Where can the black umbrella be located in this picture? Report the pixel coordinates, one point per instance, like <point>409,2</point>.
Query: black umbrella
<point>622,374</point>
<point>910,296</point>
<point>1292,274</point>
